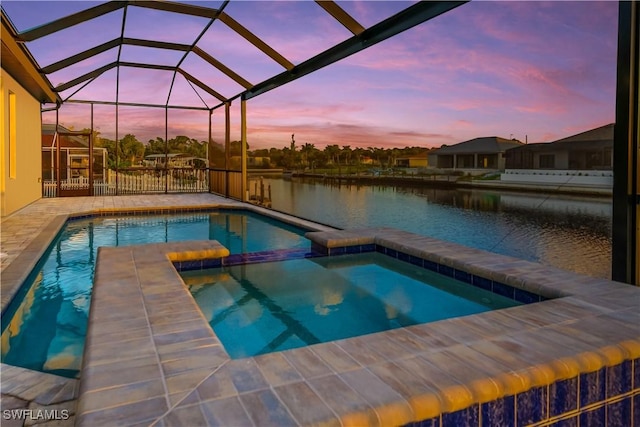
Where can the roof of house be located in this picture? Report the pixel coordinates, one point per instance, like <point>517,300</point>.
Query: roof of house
<point>594,139</point>
<point>484,145</point>
<point>71,138</point>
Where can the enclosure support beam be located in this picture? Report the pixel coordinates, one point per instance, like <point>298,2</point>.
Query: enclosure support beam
<point>243,142</point>
<point>626,150</point>
<point>166,150</point>
<point>210,154</point>
<point>91,145</point>
<point>403,20</point>
<point>227,145</point>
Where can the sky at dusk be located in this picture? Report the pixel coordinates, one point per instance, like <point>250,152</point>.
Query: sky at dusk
<point>522,69</point>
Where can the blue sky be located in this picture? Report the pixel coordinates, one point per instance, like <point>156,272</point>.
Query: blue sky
<point>540,70</point>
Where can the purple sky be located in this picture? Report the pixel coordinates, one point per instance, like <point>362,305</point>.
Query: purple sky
<point>544,70</point>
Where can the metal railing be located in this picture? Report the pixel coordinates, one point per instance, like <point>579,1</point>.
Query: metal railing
<point>137,181</point>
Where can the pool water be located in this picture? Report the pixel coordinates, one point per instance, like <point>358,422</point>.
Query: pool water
<point>262,308</point>
<point>44,328</point>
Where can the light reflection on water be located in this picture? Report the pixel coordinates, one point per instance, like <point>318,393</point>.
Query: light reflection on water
<point>573,233</point>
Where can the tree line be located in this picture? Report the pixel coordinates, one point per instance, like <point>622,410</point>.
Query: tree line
<point>131,153</point>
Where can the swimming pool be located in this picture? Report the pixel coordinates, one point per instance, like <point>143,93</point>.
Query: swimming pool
<point>44,327</point>
<point>262,308</point>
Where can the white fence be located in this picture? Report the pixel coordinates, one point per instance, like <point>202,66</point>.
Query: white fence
<point>139,181</point>
<point>591,178</point>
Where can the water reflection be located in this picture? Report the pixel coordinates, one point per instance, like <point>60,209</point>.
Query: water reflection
<point>572,233</point>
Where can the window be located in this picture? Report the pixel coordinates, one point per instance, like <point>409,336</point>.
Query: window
<point>547,161</point>
<point>12,135</point>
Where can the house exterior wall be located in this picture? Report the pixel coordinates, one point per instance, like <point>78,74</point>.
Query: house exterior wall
<point>561,159</point>
<point>20,178</point>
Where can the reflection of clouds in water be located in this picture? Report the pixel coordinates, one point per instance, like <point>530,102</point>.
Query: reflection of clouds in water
<point>401,303</point>
<point>81,303</point>
<point>330,297</point>
<point>250,313</point>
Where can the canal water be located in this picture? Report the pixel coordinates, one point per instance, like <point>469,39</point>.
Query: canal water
<point>572,233</point>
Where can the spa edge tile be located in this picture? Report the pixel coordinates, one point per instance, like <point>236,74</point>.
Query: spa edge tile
<point>305,405</point>
<point>464,417</point>
<point>264,408</point>
<point>345,402</point>
<point>245,375</point>
<point>308,364</point>
<point>531,406</point>
<point>196,358</point>
<point>276,369</point>
<point>334,357</point>
<point>563,396</point>
<point>121,395</point>
<point>618,379</point>
<point>592,387</point>
<point>500,412</point>
<point>619,413</point>
<point>225,412</point>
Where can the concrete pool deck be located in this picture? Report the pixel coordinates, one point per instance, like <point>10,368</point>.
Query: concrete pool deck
<point>573,357</point>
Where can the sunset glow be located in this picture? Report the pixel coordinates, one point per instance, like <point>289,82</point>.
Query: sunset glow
<point>529,70</point>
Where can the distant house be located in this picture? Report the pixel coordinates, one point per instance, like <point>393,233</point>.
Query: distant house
<point>73,149</point>
<point>417,161</point>
<point>590,150</point>
<point>584,159</point>
<point>486,153</point>
<point>174,160</point>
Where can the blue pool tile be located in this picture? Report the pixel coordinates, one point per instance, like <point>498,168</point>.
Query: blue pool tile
<point>563,396</point>
<point>430,265</point>
<point>481,282</point>
<point>463,276</point>
<point>337,251</point>
<point>392,253</point>
<point>446,270</point>
<point>531,406</point>
<point>371,247</point>
<point>499,412</point>
<point>465,417</point>
<point>381,249</point>
<point>619,379</point>
<point>355,249</point>
<point>525,297</point>
<point>190,265</point>
<point>212,263</point>
<point>592,387</point>
<point>636,376</point>
<point>566,422</point>
<point>596,417</point>
<point>416,261</point>
<point>619,413</point>
<point>315,247</point>
<point>504,290</point>
<point>636,410</point>
<point>403,257</point>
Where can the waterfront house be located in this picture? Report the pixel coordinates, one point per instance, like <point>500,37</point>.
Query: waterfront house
<point>479,154</point>
<point>581,159</point>
<point>417,161</point>
<point>174,160</point>
<point>590,150</point>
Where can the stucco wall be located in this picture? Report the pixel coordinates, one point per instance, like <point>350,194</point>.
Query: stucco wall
<point>25,188</point>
